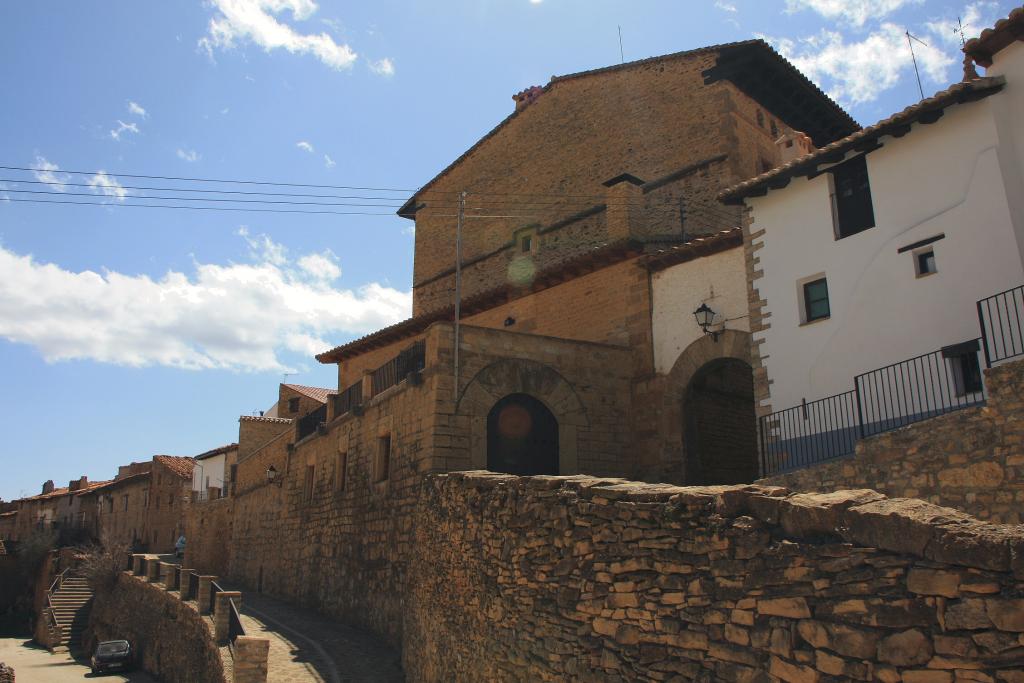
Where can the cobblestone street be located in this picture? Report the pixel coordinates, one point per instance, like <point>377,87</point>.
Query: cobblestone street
<point>305,646</point>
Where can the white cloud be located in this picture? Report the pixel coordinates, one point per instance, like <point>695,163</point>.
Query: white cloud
<point>255,21</point>
<point>855,12</point>
<point>382,67</point>
<point>725,6</point>
<point>136,109</point>
<point>235,316</point>
<point>860,71</point>
<point>321,266</point>
<point>302,144</point>
<point>102,183</point>
<point>329,162</point>
<point>47,172</point>
<point>123,128</point>
<point>975,17</point>
<point>190,156</point>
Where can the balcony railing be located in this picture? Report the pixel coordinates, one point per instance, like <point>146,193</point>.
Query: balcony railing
<point>349,398</point>
<point>809,433</point>
<point>308,424</point>
<point>412,359</point>
<point>1001,317</point>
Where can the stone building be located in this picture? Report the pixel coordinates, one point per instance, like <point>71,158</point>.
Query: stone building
<point>170,492</point>
<point>576,348</point>
<point>121,505</point>
<point>211,475</point>
<point>57,509</point>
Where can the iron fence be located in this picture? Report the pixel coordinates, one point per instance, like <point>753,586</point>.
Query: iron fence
<point>349,398</point>
<point>193,587</point>
<point>235,627</point>
<point>1001,317</point>
<point>809,433</point>
<point>309,423</point>
<point>920,388</point>
<point>412,359</point>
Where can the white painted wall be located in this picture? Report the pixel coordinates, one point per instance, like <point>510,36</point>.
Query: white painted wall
<point>940,178</point>
<point>208,469</point>
<point>718,280</point>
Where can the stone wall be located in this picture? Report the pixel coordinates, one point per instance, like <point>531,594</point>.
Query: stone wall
<point>552,579</point>
<point>208,529</point>
<point>171,640</point>
<point>972,459</point>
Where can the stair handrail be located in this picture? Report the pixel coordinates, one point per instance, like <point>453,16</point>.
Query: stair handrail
<point>48,610</point>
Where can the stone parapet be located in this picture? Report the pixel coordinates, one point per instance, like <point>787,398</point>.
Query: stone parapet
<point>251,654</point>
<point>222,614</point>
<point>138,564</point>
<point>152,569</point>
<point>203,593</point>
<point>580,578</point>
<point>186,578</point>
<point>167,575</point>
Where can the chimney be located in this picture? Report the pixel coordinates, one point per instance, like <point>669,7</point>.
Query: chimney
<point>624,199</point>
<point>78,484</point>
<point>526,97</point>
<point>48,486</point>
<point>794,144</point>
<point>970,73</point>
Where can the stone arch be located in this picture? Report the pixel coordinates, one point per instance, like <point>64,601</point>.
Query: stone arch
<point>521,376</point>
<point>734,344</point>
<point>720,428</point>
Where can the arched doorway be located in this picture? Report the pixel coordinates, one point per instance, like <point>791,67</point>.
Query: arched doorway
<point>522,437</point>
<point>720,428</point>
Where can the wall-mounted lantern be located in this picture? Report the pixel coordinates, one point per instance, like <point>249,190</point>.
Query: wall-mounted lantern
<point>272,477</point>
<point>705,318</point>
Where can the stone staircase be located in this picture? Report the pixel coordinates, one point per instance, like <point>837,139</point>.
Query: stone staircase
<point>71,604</point>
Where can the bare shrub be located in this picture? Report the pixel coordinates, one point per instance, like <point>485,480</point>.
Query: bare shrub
<point>101,563</point>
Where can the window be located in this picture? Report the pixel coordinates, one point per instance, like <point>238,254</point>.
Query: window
<point>125,499</point>
<point>760,118</point>
<point>145,498</point>
<point>851,198</point>
<point>110,504</point>
<point>307,490</point>
<point>816,300</point>
<point>293,405</point>
<point>340,471</point>
<point>924,262</point>
<point>527,243</point>
<point>383,465</point>
<point>964,366</point>
<point>170,500</point>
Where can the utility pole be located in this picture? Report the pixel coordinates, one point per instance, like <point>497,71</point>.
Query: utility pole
<point>622,55</point>
<point>458,285</point>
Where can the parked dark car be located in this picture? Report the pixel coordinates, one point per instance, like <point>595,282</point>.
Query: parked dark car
<point>112,655</point>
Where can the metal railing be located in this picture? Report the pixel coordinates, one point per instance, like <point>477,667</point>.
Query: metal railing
<point>1001,317</point>
<point>308,424</point>
<point>235,627</point>
<point>408,361</point>
<point>920,388</point>
<point>797,437</point>
<point>349,398</point>
<point>193,587</point>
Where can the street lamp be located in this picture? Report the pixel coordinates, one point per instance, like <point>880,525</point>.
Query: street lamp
<point>705,318</point>
<point>272,476</point>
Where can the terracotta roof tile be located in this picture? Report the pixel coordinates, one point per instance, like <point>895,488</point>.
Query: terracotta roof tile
<point>220,450</point>
<point>179,464</point>
<point>780,176</point>
<point>695,248</point>
<point>263,418</point>
<point>315,393</point>
<point>992,40</point>
<point>115,483</point>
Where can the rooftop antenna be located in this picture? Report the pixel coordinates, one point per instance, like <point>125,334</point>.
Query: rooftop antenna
<point>959,29</point>
<point>622,56</point>
<point>286,375</point>
<point>910,38</point>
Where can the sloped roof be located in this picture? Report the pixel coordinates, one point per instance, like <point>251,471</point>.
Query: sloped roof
<point>992,40</point>
<point>179,464</point>
<point>263,418</point>
<point>926,111</point>
<point>115,483</point>
<point>315,393</point>
<point>220,450</point>
<point>695,248</point>
<point>825,112</point>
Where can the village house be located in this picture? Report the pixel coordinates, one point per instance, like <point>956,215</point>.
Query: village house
<point>601,326</point>
<point>56,509</point>
<point>211,474</point>
<point>887,265</point>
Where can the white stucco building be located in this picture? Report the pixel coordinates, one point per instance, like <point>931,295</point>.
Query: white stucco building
<point>876,249</point>
<point>211,474</point>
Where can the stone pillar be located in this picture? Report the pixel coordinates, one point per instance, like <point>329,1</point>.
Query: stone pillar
<point>185,583</point>
<point>153,569</point>
<point>624,197</point>
<point>166,571</point>
<point>203,596</point>
<point>250,665</point>
<point>221,614</point>
<point>138,564</point>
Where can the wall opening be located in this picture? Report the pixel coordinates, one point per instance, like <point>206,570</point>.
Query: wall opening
<point>522,437</point>
<point>719,424</point>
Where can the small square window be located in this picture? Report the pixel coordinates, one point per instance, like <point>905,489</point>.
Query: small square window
<point>816,306</point>
<point>527,244</point>
<point>924,262</point>
<point>775,129</point>
<point>293,405</point>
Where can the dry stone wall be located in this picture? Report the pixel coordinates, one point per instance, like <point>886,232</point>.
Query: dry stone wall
<point>552,579</point>
<point>170,639</point>
<point>972,460</point>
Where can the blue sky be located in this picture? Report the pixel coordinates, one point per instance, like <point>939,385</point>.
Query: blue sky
<point>126,332</point>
